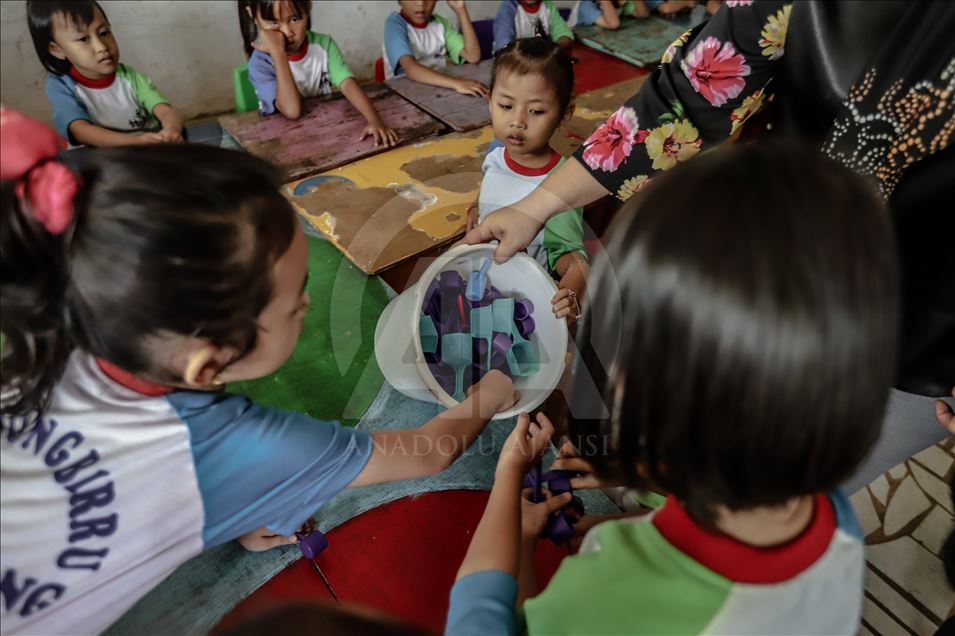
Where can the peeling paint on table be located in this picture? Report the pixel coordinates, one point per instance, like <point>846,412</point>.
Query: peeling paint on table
<point>382,210</point>
<point>460,112</point>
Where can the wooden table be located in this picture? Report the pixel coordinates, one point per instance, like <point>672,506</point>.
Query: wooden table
<point>639,42</point>
<point>385,209</point>
<point>326,135</point>
<point>460,112</point>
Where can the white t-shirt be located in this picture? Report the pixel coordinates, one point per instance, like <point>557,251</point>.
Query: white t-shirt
<point>114,488</point>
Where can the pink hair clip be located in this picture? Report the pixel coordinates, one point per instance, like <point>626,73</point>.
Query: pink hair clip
<point>28,148</point>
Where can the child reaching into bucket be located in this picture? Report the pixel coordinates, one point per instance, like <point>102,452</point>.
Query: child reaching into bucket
<point>532,81</point>
<point>134,285</point>
<point>743,367</point>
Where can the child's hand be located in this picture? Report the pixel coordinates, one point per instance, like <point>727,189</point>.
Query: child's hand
<point>150,138</point>
<point>270,41</point>
<point>945,415</point>
<point>526,443</point>
<point>472,217</point>
<point>640,10</point>
<point>264,539</point>
<point>457,5</point>
<point>382,134</point>
<point>534,516</point>
<point>495,385</point>
<point>171,136</point>
<point>565,304</point>
<point>673,7</point>
<point>568,459</point>
<point>470,87</point>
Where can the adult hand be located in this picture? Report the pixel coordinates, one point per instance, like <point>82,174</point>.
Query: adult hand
<point>512,228</point>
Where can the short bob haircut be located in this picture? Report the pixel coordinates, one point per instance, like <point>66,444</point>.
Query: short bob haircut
<point>40,20</point>
<point>742,340</point>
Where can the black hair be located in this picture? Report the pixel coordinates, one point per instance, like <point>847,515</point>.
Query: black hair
<point>751,344</point>
<point>40,14</point>
<point>265,9</point>
<point>167,239</point>
<point>322,618</point>
<point>538,56</point>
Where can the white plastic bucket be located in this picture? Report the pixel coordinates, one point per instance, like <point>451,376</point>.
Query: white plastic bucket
<point>398,341</point>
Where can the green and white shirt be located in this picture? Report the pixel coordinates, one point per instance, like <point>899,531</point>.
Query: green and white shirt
<point>123,101</point>
<point>665,574</point>
<point>316,68</point>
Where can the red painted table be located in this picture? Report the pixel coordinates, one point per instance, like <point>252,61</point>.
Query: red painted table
<point>400,558</point>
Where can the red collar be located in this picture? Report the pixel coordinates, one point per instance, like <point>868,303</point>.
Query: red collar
<point>532,8</point>
<point>128,380</point>
<point>412,22</point>
<point>92,83</point>
<point>295,57</point>
<point>532,172</point>
<point>741,562</point>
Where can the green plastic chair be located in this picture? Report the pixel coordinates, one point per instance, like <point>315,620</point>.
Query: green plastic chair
<point>245,97</point>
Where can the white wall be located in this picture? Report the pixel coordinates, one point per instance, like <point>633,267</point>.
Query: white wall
<point>189,47</point>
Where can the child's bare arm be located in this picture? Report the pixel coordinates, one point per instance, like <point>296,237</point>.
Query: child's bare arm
<point>609,18</point>
<point>420,73</point>
<point>377,128</point>
<point>90,134</point>
<point>572,269</point>
<point>429,449</point>
<point>288,101</point>
<point>171,123</point>
<point>472,48</point>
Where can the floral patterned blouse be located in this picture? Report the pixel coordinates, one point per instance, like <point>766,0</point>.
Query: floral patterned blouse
<point>711,80</point>
<point>872,83</point>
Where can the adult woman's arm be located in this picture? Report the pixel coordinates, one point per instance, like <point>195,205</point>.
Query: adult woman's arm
<point>710,81</point>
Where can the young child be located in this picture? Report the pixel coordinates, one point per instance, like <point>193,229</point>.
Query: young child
<point>607,13</point>
<point>133,287</point>
<point>288,61</point>
<point>738,352</point>
<point>96,100</point>
<point>531,96</point>
<point>518,19</point>
<point>419,44</point>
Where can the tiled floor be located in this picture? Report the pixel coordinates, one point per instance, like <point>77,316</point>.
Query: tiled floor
<point>906,514</point>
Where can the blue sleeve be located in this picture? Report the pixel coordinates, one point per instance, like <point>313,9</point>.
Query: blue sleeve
<point>482,603</point>
<point>504,30</point>
<point>262,76</point>
<point>67,107</point>
<point>846,519</point>
<point>396,41</point>
<point>588,12</point>
<point>261,467</point>
<point>494,145</point>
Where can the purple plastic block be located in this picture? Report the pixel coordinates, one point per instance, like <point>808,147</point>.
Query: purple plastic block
<point>451,281</point>
<point>525,326</point>
<point>311,544</point>
<point>523,309</point>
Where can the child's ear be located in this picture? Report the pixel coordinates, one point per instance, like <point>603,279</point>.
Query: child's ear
<point>568,113</point>
<point>201,366</point>
<point>56,51</point>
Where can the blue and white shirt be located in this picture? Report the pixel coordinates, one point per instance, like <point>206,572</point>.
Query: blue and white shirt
<point>515,20</point>
<point>123,101</point>
<point>114,488</point>
<point>316,68</point>
<point>431,44</point>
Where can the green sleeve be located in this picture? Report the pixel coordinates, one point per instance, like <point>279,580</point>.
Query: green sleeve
<point>453,40</point>
<point>627,8</point>
<point>143,88</point>
<point>564,234</point>
<point>338,70</point>
<point>558,28</point>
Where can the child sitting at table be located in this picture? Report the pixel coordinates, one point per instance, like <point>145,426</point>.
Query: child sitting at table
<point>96,100</point>
<point>607,13</point>
<point>737,353</point>
<point>419,44</point>
<point>531,96</point>
<point>288,62</point>
<point>516,19</point>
